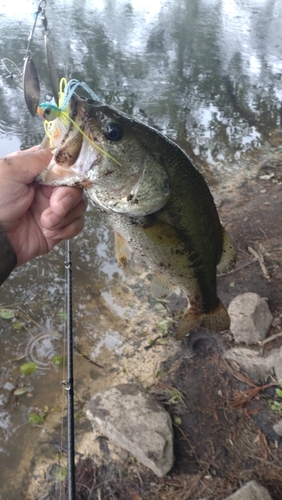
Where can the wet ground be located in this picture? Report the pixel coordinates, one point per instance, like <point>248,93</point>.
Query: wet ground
<point>223,441</point>
<point>222,422</point>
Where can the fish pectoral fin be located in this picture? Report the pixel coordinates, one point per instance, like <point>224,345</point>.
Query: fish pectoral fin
<point>216,320</point>
<point>161,288</point>
<point>122,251</point>
<point>228,256</point>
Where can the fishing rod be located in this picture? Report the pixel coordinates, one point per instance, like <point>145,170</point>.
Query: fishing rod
<point>68,384</point>
<point>32,101</point>
<point>31,89</point>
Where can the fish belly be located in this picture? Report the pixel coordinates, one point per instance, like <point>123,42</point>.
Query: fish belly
<point>161,246</point>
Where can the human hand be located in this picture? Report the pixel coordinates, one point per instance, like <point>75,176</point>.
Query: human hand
<point>35,218</point>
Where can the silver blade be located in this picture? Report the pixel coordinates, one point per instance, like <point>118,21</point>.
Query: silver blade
<point>31,85</point>
<point>52,69</point>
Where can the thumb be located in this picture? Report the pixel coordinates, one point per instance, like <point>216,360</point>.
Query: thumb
<point>26,165</point>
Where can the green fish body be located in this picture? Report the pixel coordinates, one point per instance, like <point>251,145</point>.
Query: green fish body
<point>156,200</point>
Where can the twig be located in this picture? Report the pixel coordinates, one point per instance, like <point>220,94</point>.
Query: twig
<point>237,268</point>
<point>84,355</point>
<point>153,342</point>
<point>269,339</point>
<point>93,486</point>
<point>264,444</point>
<point>260,260</point>
<point>243,397</point>
<point>84,486</point>
<point>271,464</point>
<point>139,477</point>
<point>242,378</point>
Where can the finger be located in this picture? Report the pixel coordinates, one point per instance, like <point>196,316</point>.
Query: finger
<point>47,190</point>
<point>64,199</point>
<point>66,232</point>
<point>52,221</point>
<point>24,166</point>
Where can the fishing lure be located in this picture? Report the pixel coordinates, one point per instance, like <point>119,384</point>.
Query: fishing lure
<point>29,74</point>
<point>57,118</point>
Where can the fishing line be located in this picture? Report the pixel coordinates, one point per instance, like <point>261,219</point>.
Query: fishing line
<point>11,68</point>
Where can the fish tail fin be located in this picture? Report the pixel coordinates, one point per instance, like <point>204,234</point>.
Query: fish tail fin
<point>216,320</point>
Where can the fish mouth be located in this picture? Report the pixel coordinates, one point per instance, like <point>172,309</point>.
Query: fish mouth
<point>75,153</point>
<point>70,163</point>
<point>79,158</point>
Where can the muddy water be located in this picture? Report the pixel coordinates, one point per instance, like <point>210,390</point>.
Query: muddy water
<point>206,73</point>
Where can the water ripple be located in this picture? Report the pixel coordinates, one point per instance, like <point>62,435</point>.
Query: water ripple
<point>42,348</point>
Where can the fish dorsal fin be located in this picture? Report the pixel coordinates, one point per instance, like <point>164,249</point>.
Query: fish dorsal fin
<point>228,256</point>
<point>122,250</point>
<point>161,288</point>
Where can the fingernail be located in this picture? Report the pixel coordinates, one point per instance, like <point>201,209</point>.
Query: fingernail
<point>51,235</point>
<point>66,203</point>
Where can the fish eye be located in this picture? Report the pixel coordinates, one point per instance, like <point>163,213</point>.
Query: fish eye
<point>113,131</point>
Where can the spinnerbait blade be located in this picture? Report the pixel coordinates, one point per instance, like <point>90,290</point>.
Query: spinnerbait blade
<point>52,69</point>
<point>31,86</point>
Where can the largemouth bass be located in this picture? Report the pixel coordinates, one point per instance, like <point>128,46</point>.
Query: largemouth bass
<point>156,200</point>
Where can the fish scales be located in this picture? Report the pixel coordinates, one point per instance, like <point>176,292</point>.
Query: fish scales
<point>157,202</point>
<point>195,231</point>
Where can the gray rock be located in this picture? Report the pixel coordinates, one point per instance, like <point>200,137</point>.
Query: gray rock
<point>278,367</point>
<point>250,318</point>
<point>255,366</point>
<point>278,428</point>
<point>135,421</point>
<point>251,491</point>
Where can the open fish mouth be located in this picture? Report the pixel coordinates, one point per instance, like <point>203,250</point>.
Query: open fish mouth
<point>70,164</point>
<point>74,153</point>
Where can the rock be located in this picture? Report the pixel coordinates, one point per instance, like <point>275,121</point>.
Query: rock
<point>278,367</point>
<point>255,366</point>
<point>251,491</point>
<point>278,428</point>
<point>135,421</point>
<point>250,318</point>
<point>276,322</point>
